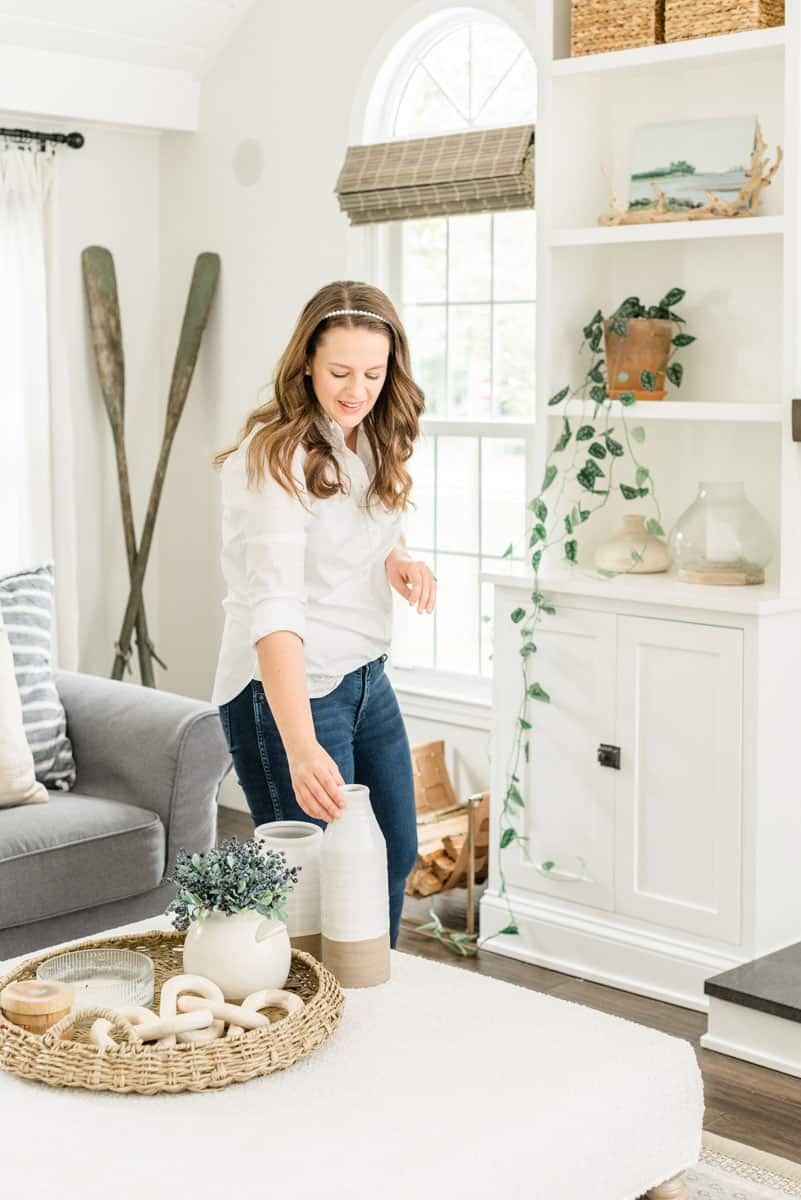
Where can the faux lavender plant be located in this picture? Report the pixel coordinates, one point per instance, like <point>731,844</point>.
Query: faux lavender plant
<point>231,878</point>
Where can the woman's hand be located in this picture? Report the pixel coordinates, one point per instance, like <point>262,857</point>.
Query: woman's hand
<point>412,580</point>
<point>316,780</point>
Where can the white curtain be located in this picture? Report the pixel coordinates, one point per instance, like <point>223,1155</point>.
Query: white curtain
<point>37,508</point>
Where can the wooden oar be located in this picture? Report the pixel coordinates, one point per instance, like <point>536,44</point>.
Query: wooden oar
<point>100,281</point>
<point>201,294</point>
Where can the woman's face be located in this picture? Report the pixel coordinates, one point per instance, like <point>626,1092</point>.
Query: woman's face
<point>347,371</point>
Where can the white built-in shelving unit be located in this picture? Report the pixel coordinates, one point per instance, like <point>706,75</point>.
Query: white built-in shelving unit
<point>692,846</point>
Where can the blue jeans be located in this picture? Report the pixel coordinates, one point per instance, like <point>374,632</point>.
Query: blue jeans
<point>361,727</point>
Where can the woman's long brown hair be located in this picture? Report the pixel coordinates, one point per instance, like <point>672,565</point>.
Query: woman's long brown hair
<point>291,417</point>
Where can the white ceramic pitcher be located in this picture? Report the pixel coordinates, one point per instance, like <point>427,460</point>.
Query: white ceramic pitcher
<point>241,953</point>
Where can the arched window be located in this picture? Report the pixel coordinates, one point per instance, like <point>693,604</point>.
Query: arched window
<point>465,287</point>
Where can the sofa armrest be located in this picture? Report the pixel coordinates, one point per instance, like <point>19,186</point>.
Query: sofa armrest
<point>154,749</point>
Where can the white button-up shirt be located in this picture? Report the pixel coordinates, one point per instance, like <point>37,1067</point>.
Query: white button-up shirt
<point>314,568</point>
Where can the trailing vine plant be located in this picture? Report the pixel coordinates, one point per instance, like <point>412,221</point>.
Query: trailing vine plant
<point>587,454</point>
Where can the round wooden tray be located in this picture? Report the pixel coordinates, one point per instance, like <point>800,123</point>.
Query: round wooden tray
<point>135,1066</point>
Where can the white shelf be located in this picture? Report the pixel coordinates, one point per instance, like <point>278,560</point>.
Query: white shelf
<point>752,44</point>
<point>664,588</point>
<point>677,410</point>
<point>608,235</point>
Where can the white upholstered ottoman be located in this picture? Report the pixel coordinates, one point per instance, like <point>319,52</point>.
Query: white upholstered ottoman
<point>439,1082</point>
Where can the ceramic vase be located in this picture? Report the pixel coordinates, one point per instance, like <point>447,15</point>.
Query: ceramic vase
<point>354,894</point>
<point>616,554</point>
<point>241,953</point>
<point>300,841</point>
<point>721,538</point>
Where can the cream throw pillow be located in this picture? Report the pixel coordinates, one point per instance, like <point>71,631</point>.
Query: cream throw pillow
<point>18,784</point>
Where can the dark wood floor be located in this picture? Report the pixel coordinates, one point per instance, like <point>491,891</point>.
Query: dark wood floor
<point>747,1103</point>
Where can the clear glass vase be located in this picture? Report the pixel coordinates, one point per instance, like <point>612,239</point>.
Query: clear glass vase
<point>721,538</point>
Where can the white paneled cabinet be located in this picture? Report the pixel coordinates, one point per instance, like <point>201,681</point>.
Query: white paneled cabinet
<point>678,795</point>
<point>570,813</point>
<point>661,820</point>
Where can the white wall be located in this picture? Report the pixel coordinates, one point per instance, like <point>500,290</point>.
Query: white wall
<point>108,195</point>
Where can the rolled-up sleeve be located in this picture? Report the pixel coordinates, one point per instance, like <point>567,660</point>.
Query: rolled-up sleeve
<point>397,536</point>
<point>270,526</point>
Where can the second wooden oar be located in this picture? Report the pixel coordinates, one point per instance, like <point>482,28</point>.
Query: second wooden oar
<point>198,304</point>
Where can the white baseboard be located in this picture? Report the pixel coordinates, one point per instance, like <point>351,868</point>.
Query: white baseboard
<point>756,1037</point>
<point>599,949</point>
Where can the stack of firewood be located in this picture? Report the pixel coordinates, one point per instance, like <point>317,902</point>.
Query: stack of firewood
<point>442,850</point>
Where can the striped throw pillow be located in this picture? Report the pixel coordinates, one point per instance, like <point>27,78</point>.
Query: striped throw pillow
<point>26,610</point>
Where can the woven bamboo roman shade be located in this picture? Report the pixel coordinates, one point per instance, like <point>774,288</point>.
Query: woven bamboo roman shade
<point>479,171</point>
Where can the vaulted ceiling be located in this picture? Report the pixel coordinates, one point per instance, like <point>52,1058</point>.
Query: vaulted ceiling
<point>182,35</point>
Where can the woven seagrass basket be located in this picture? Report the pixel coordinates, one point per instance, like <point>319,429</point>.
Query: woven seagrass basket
<point>598,26</point>
<point>135,1066</point>
<point>708,18</point>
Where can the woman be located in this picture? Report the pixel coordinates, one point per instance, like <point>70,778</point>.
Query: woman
<point>313,497</point>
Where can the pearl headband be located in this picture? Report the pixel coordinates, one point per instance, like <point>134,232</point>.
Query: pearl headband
<point>360,312</point>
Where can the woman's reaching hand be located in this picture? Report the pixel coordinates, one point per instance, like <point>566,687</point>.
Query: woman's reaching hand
<point>316,780</point>
<point>413,581</point>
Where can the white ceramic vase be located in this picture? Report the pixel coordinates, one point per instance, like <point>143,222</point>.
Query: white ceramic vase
<point>241,953</point>
<point>615,555</point>
<point>354,894</point>
<point>301,842</point>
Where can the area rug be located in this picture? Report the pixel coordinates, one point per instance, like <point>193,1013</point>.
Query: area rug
<point>729,1170</point>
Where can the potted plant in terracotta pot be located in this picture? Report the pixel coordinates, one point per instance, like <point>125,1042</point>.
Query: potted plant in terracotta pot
<point>640,342</point>
<point>231,900</point>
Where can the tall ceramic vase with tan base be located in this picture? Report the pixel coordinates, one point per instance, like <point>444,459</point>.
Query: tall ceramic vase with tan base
<point>301,841</point>
<point>354,894</point>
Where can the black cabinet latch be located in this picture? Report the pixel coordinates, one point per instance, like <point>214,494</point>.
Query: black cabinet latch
<point>609,756</point>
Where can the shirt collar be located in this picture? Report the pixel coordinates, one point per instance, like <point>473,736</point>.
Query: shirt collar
<point>333,432</point>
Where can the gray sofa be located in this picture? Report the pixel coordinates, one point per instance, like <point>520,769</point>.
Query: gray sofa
<point>149,765</point>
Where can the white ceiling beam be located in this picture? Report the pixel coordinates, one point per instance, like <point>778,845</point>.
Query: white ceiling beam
<point>77,87</point>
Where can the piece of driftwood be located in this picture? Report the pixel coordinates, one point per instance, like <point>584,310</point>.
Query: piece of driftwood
<point>453,844</point>
<point>425,883</point>
<point>201,294</point>
<point>100,283</point>
<point>432,832</point>
<point>745,204</point>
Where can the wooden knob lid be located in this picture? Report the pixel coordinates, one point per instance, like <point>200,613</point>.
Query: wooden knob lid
<point>36,997</point>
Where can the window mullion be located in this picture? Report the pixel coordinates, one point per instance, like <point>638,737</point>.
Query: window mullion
<point>480,549</point>
<point>435,614</point>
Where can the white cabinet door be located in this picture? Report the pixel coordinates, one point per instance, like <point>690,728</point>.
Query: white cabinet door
<point>678,821</point>
<point>569,797</point>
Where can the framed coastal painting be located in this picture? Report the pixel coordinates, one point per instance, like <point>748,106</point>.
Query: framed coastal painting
<point>686,160</point>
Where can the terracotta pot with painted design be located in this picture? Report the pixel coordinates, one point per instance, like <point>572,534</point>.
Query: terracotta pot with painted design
<point>646,347</point>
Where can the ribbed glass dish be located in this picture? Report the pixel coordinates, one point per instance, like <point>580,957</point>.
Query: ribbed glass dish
<point>102,978</point>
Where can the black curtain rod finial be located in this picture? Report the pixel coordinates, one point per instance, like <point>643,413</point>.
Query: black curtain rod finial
<point>73,140</point>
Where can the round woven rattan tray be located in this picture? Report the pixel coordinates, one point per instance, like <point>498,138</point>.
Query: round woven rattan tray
<point>137,1067</point>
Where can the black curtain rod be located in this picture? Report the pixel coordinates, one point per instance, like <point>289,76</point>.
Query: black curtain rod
<point>74,140</point>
